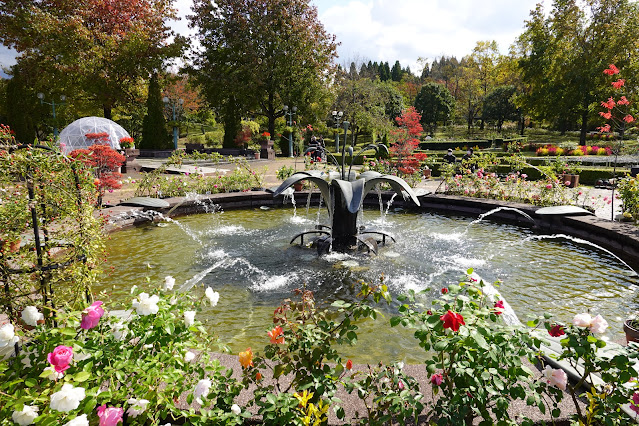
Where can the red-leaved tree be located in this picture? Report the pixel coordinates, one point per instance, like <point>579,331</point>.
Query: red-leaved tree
<point>406,140</point>
<point>105,162</point>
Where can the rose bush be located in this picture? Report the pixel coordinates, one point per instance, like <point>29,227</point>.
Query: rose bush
<point>131,365</point>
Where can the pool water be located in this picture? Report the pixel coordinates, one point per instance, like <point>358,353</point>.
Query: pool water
<point>245,255</point>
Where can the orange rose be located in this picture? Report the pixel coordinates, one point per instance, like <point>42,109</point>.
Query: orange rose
<point>246,358</point>
<point>276,335</point>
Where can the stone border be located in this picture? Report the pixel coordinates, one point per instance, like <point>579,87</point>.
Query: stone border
<point>620,238</point>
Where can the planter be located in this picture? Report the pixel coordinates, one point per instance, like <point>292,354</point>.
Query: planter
<point>631,328</point>
<point>426,173</point>
<point>298,186</point>
<point>573,179</point>
<point>257,155</point>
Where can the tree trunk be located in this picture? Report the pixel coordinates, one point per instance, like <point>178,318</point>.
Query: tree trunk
<point>584,127</point>
<point>107,111</point>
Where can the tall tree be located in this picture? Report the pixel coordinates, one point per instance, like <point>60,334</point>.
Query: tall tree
<point>257,56</point>
<point>564,52</point>
<point>499,106</point>
<point>397,72</point>
<point>154,134</point>
<point>435,103</point>
<point>99,47</point>
<point>21,106</point>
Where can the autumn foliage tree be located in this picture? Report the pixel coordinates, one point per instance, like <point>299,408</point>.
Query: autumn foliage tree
<point>406,138</point>
<point>100,47</point>
<point>104,160</point>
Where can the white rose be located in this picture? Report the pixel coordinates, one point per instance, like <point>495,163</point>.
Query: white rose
<point>189,318</point>
<point>26,416</point>
<point>213,296</point>
<point>169,282</point>
<point>68,398</point>
<point>119,331</point>
<point>79,421</point>
<point>135,287</point>
<point>582,320</point>
<point>235,409</point>
<point>189,356</point>
<point>598,325</point>
<point>31,316</point>
<point>7,336</point>
<point>53,375</point>
<point>147,305</point>
<point>138,406</point>
<point>201,390</point>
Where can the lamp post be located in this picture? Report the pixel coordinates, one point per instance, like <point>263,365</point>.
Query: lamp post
<point>337,117</point>
<point>63,99</point>
<point>289,121</point>
<point>176,110</point>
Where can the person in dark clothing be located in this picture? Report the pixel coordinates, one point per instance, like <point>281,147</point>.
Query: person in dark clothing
<point>450,157</point>
<point>468,154</point>
<point>467,160</point>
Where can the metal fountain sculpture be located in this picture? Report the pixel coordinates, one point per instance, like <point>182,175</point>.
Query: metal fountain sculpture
<point>343,194</point>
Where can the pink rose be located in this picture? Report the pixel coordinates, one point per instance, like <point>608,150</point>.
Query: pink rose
<point>436,379</point>
<point>598,325</point>
<point>634,405</point>
<point>499,307</point>
<point>557,378</point>
<point>60,358</point>
<point>91,315</point>
<point>110,416</point>
<point>549,186</point>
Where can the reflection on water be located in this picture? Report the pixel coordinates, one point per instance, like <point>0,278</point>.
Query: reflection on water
<point>246,256</point>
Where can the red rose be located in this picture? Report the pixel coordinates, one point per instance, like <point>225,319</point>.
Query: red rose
<point>556,330</point>
<point>436,379</point>
<point>452,320</point>
<point>444,290</point>
<point>349,364</point>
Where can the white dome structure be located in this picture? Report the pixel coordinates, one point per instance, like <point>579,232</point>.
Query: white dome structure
<point>74,136</point>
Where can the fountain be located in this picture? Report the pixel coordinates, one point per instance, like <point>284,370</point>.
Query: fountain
<point>343,194</point>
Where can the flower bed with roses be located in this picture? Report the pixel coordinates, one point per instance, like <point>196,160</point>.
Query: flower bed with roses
<point>139,367</point>
<point>134,367</point>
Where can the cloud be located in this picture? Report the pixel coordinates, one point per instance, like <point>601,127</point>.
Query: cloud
<point>405,30</point>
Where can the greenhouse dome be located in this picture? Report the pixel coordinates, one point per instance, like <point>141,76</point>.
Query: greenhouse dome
<point>87,131</point>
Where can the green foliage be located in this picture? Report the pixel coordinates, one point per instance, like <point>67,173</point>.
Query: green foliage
<point>499,107</point>
<point>154,134</point>
<point>435,103</point>
<point>62,192</point>
<point>157,184</point>
<point>135,354</point>
<point>284,172</point>
<point>20,107</point>
<point>629,192</point>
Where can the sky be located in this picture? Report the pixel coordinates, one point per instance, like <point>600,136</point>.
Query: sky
<point>404,30</point>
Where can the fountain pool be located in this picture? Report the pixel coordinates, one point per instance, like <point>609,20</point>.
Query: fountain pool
<point>245,255</point>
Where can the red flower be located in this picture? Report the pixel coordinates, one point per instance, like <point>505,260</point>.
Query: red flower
<point>436,379</point>
<point>628,118</point>
<point>444,290</point>
<point>429,312</point>
<point>623,101</point>
<point>556,330</point>
<point>452,320</point>
<point>349,364</point>
<point>605,128</point>
<point>605,115</point>
<point>258,376</point>
<point>619,83</point>
<point>499,307</point>
<point>610,104</point>
<point>612,69</point>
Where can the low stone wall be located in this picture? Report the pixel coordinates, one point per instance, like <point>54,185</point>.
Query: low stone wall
<point>620,238</point>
